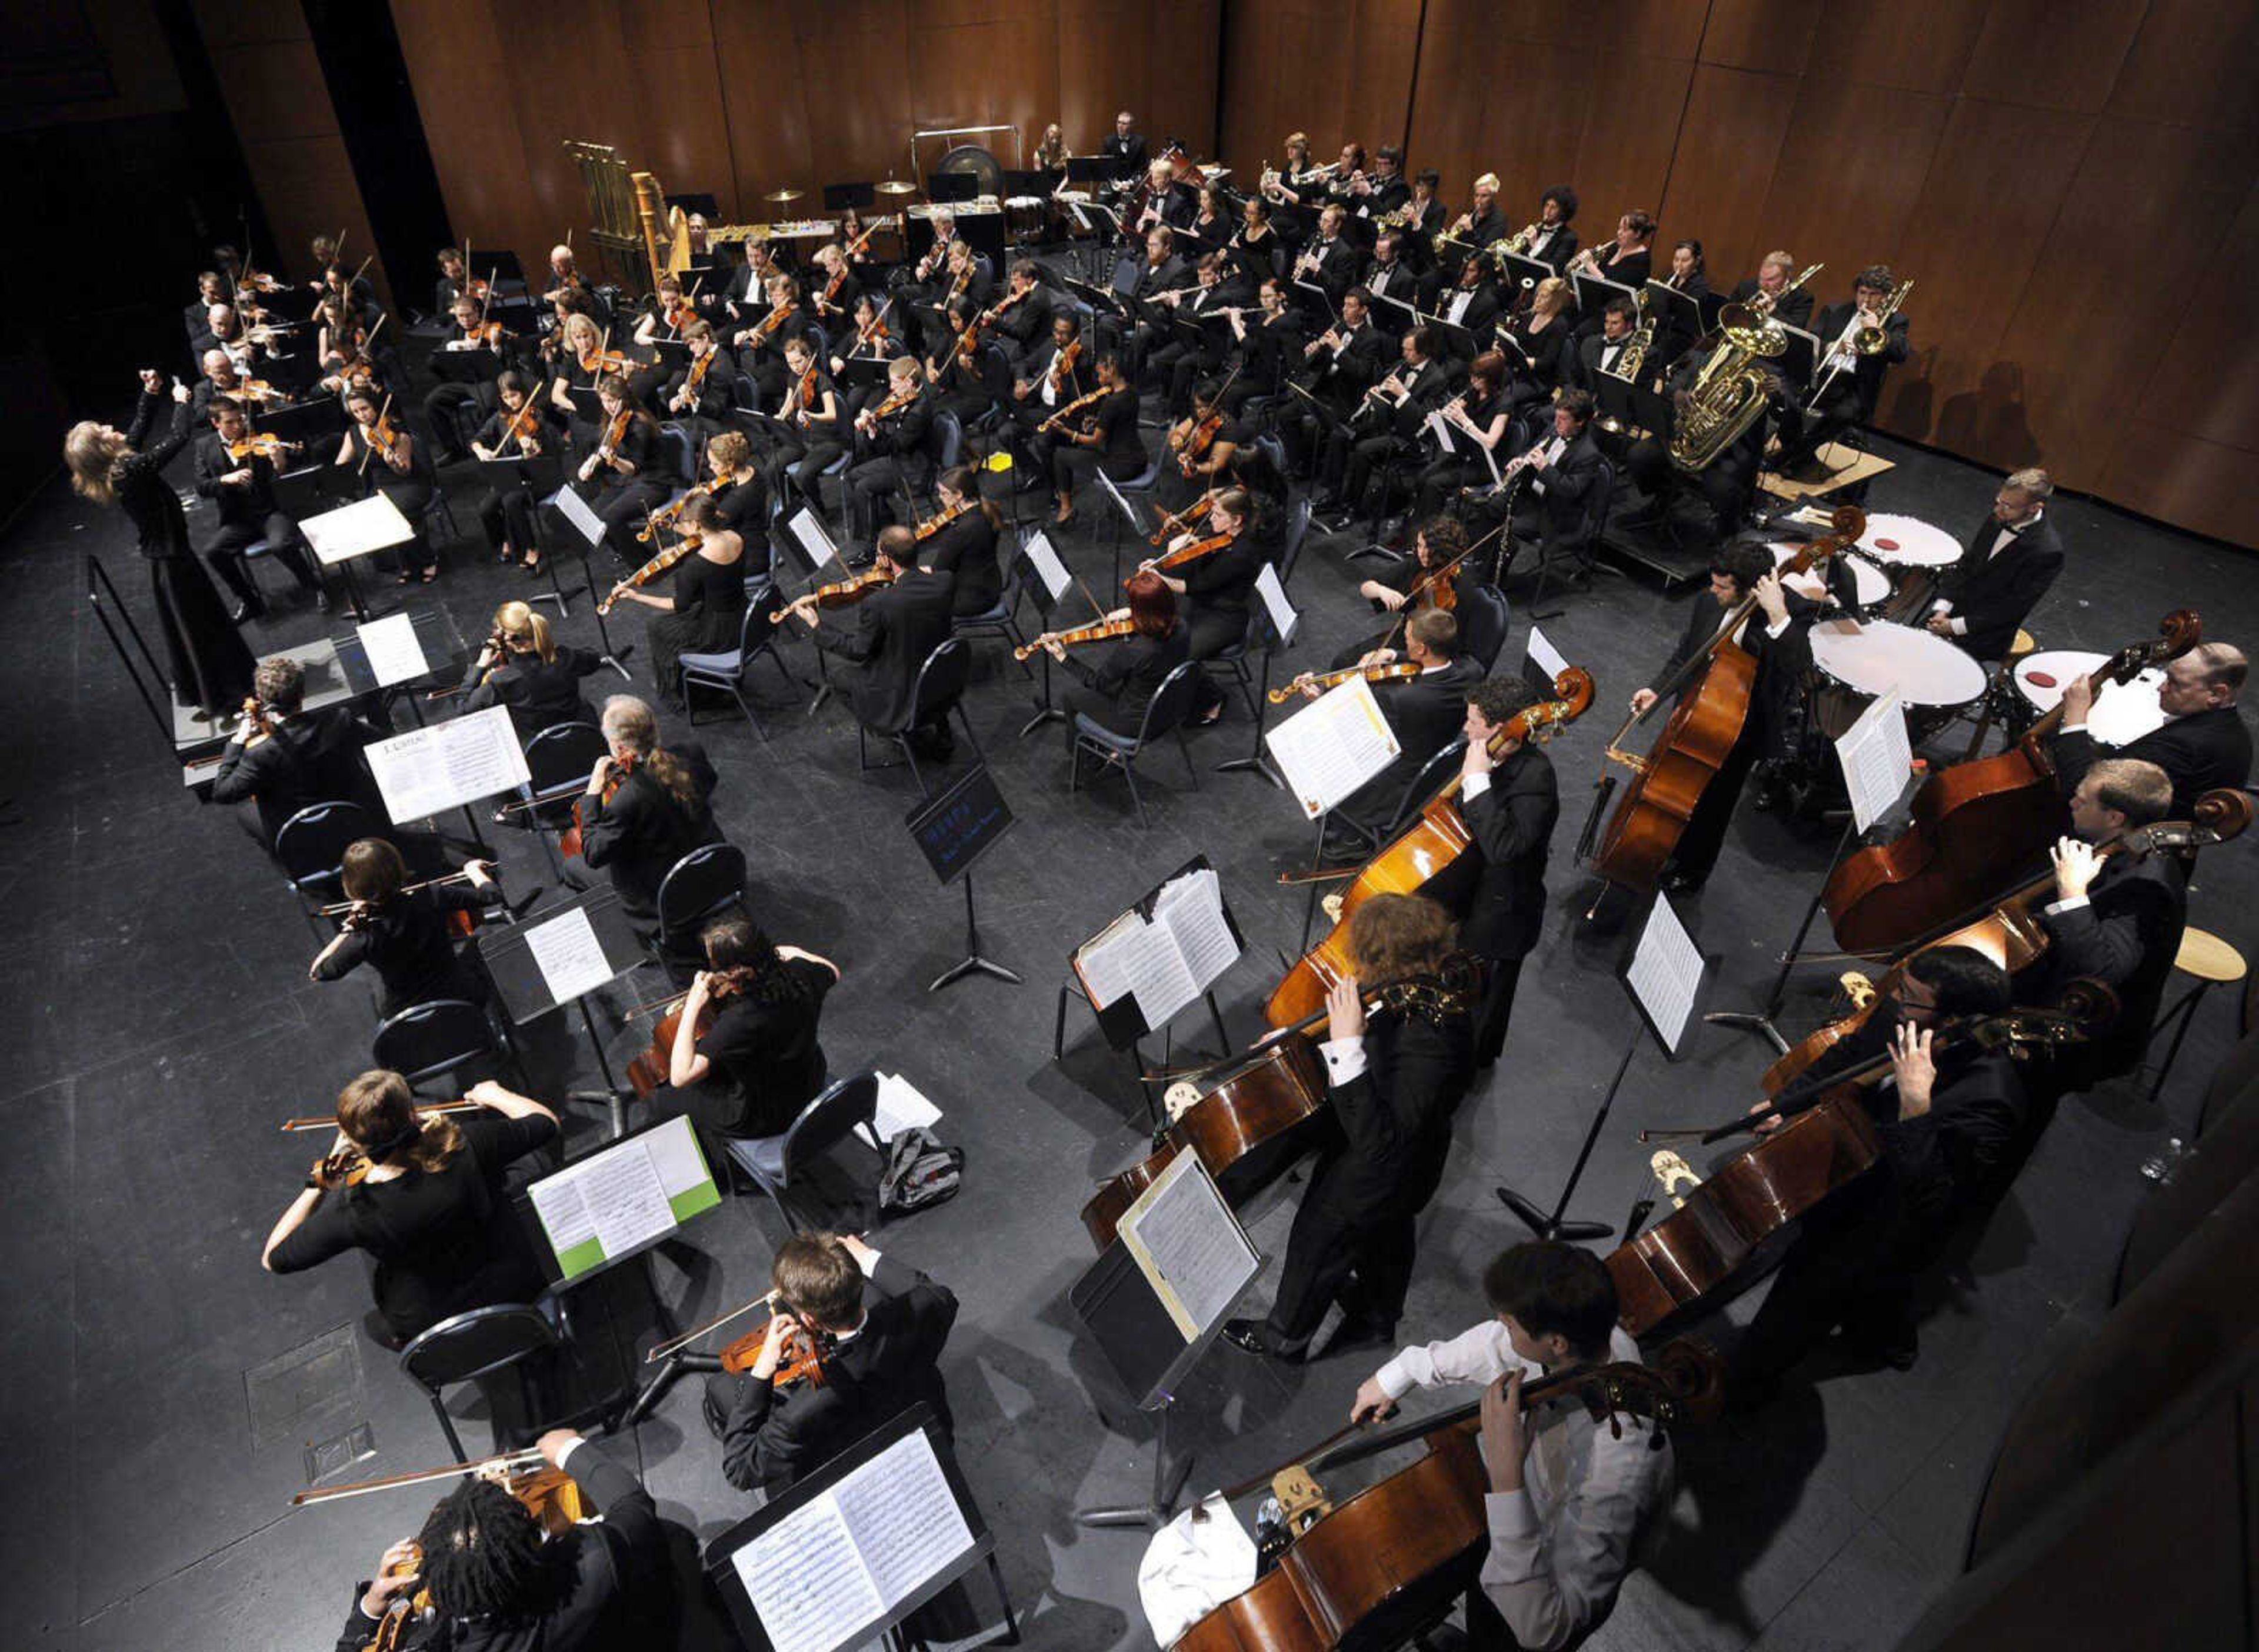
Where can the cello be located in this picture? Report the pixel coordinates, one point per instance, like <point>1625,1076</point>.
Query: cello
<point>1699,1247</point>
<point>1974,823</point>
<point>1668,783</point>
<point>1421,854</point>
<point>1378,1567</point>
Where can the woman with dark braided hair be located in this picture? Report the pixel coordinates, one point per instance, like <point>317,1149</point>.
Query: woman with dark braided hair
<point>750,1069</point>
<point>644,809</point>
<point>424,1198</point>
<point>498,1583</point>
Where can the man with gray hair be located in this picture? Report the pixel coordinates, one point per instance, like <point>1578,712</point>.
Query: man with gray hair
<point>2007,567</point>
<point>2204,744</point>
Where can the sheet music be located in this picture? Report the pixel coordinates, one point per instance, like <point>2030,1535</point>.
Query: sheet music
<point>1440,430</point>
<point>903,1516</point>
<point>1160,980</point>
<point>427,770</point>
<point>806,529</point>
<point>1104,962</point>
<point>1284,620</point>
<point>1188,1246</point>
<point>394,654</point>
<point>1666,971</point>
<point>1045,562</point>
<point>1191,908</point>
<point>358,530</point>
<point>806,1582</point>
<point>902,1107</point>
<point>571,957</point>
<point>1333,745</point>
<point>1877,756</point>
<point>627,1203</point>
<point>575,511</point>
<point>1548,659</point>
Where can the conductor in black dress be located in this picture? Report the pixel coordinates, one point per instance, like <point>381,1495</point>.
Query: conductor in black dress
<point>2006,570</point>
<point>1392,1084</point>
<point>209,666</point>
<point>888,638</point>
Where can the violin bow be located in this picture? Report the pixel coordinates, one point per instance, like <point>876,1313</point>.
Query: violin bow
<point>505,1461</point>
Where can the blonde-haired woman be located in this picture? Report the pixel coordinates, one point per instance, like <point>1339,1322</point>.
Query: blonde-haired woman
<point>523,666</point>
<point>210,667</point>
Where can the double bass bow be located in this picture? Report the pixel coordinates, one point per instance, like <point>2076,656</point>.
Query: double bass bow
<point>1667,783</point>
<point>1974,823</point>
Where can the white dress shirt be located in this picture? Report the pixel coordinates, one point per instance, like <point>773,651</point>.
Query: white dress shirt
<point>2010,532</point>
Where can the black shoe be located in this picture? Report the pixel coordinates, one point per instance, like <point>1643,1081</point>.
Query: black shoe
<point>1253,1336</point>
<point>1899,1351</point>
<point>249,608</point>
<point>322,598</point>
<point>1686,882</point>
<point>1361,1330</point>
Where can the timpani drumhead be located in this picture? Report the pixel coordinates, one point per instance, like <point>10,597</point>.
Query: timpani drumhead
<point>1879,658</point>
<point>2123,712</point>
<point>1909,542</point>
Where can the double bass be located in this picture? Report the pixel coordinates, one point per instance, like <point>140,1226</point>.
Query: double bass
<point>1374,1568</point>
<point>1974,823</point>
<point>1667,785</point>
<point>1420,855</point>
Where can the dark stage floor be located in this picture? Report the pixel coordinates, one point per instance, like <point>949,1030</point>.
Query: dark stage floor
<point>156,1001</point>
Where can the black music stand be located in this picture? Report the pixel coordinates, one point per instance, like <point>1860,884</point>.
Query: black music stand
<point>954,830</point>
<point>587,533</point>
<point>506,951</point>
<point>1274,639</point>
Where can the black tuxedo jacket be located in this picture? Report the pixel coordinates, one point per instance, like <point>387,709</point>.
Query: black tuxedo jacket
<point>1795,308</point>
<point>241,504</point>
<point>2125,935</point>
<point>894,630</point>
<point>1867,374</point>
<point>1993,594</point>
<point>1513,823</point>
<point>1572,486</point>
<point>314,757</point>
<point>2203,752</point>
<point>1426,712</point>
<point>892,1363</point>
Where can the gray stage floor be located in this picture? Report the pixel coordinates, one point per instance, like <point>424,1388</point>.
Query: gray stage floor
<point>154,997</point>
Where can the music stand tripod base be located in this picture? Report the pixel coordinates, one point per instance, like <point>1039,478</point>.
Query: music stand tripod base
<point>972,962</point>
<point>1167,1482</point>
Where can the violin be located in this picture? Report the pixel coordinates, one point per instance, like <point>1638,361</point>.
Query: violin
<point>483,334</point>
<point>1974,823</point>
<point>872,337</point>
<point>1074,407</point>
<point>1063,363</point>
<point>614,432</point>
<point>1185,555</point>
<point>665,515</point>
<point>403,1610</point>
<point>1182,521</point>
<point>1098,632</point>
<point>857,247</point>
<point>805,1350</point>
<point>1369,1570</point>
<point>939,520</point>
<point>1418,855</point>
<point>803,393</point>
<point>683,547</point>
<point>423,1110</point>
<point>597,362</point>
<point>256,724</point>
<point>766,328</point>
<point>260,444</point>
<point>841,594</point>
<point>522,427</point>
<point>888,408</point>
<point>1389,671</point>
<point>1193,445</point>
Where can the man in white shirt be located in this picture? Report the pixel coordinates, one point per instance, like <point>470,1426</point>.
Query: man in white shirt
<point>1569,1497</point>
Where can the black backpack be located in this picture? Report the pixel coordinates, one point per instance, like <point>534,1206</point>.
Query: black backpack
<point>920,1172</point>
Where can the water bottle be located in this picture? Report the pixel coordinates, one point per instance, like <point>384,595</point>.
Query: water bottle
<point>2160,1166</point>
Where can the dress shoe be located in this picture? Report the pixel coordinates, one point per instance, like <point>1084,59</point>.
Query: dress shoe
<point>1361,1330</point>
<point>1253,1336</point>
<point>248,609</point>
<point>1686,882</point>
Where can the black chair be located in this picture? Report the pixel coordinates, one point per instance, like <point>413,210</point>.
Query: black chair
<point>311,848</point>
<point>1001,622</point>
<point>425,1041</point>
<point>1421,786</point>
<point>939,690</point>
<point>1579,550</point>
<point>705,883</point>
<point>1164,713</point>
<point>1484,616</point>
<point>480,1344</point>
<point>757,637</point>
<point>557,762</point>
<point>682,454</point>
<point>776,1163</point>
<point>1298,529</point>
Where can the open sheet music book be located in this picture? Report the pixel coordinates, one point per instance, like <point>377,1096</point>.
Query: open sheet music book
<point>1165,960</point>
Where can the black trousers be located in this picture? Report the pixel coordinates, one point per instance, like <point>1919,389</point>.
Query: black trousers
<point>224,556</point>
<point>623,508</point>
<point>1494,1008</point>
<point>1355,1252</point>
<point>506,514</point>
<point>1705,833</point>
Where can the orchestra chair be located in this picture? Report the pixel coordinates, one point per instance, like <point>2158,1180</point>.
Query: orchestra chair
<point>557,761</point>
<point>1581,553</point>
<point>778,1165</point>
<point>757,636</point>
<point>946,439</point>
<point>1298,529</point>
<point>682,455</point>
<point>1484,617</point>
<point>533,1344</point>
<point>439,521</point>
<point>704,884</point>
<point>939,690</point>
<point>438,1039</point>
<point>1422,786</point>
<point>1164,713</point>
<point>311,849</point>
<point>1001,622</point>
<point>1122,493</point>
<point>1259,633</point>
<point>2210,962</point>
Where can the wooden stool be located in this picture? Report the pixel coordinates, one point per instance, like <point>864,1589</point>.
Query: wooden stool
<point>2213,963</point>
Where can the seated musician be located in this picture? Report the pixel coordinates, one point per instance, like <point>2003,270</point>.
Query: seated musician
<point>1046,383</point>
<point>631,467</point>
<point>741,500</point>
<point>1394,1082</point>
<point>1194,464</point>
<point>646,807</point>
<point>430,1210</point>
<point>1737,571</point>
<point>757,1062</point>
<point>812,432</point>
<point>1689,275</point>
<point>1436,542</point>
<point>1425,712</point>
<point>890,449</point>
<point>2204,746</point>
<point>2007,567</point>
<point>497,1582</point>
<point>1385,431</point>
<point>450,406</point>
<point>1115,682</point>
<point>564,275</point>
<point>1628,259</point>
<point>1483,413</point>
<point>219,379</point>
<point>1125,147</point>
<point>1718,496</point>
<point>1178,359</point>
<point>1162,272</point>
<point>881,1326</point>
<point>702,610</point>
<point>1342,363</point>
<point>972,373</point>
<point>1267,348</point>
<point>211,289</point>
<point>1947,1119</point>
<point>1022,329</point>
<point>1330,261</point>
<point>508,507</point>
<point>1602,352</point>
<point>886,638</point>
<point>1510,802</point>
<point>760,346</point>
<point>1103,437</point>
<point>1257,251</point>
<point>1571,1496</point>
<point>1349,168</point>
<point>1296,190</point>
<point>243,488</point>
<point>454,282</point>
<point>1482,223</point>
<point>289,760</point>
<point>835,290</point>
<point>1373,196</point>
<point>1215,588</point>
<point>1552,240</point>
<point>1213,223</point>
<point>523,666</point>
<point>1471,301</point>
<point>1389,273</point>
<point>702,395</point>
<point>1540,335</point>
<point>1557,506</point>
<point>1848,379</point>
<point>1768,291</point>
<point>404,934</point>
<point>964,546</point>
<point>744,298</point>
<point>393,460</point>
<point>870,339</point>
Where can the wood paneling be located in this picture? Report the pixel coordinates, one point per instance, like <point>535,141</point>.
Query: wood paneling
<point>1886,45</point>
<point>2052,53</point>
<point>1774,36</point>
<point>2193,63</point>
<point>1722,170</point>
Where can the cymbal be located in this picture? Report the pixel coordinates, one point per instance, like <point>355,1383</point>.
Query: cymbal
<point>784,197</point>
<point>895,186</point>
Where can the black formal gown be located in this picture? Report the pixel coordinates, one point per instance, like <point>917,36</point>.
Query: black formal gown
<point>209,665</point>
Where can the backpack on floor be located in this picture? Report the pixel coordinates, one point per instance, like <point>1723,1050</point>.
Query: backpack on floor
<point>920,1172</point>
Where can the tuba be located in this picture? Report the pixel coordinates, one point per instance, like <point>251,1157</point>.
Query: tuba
<point>1730,392</point>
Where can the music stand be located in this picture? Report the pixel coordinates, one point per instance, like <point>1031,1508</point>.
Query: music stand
<point>838,198</point>
<point>1123,1019</point>
<point>525,978</point>
<point>1520,267</point>
<point>1045,590</point>
<point>954,830</point>
<point>1796,363</point>
<point>588,533</point>
<point>1663,974</point>
<point>1279,625</point>
<point>1596,293</point>
<point>1153,1305</point>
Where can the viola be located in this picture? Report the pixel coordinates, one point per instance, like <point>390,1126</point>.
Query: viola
<point>1098,632</point>
<point>1974,823</point>
<point>1063,363</point>
<point>522,426</point>
<point>1668,783</point>
<point>569,841</point>
<point>260,444</point>
<point>841,594</point>
<point>614,432</point>
<point>1195,445</point>
<point>1185,555</point>
<point>1387,671</point>
<point>548,1494</point>
<point>939,520</point>
<point>1182,521</point>
<point>684,546</point>
<point>805,1350</point>
<point>1422,853</point>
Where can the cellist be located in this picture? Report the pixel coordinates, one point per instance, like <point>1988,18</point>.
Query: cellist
<point>1511,801</point>
<point>1569,1497</point>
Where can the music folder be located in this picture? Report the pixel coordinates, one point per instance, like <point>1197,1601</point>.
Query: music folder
<point>1672,310</point>
<point>1596,293</point>
<point>1520,268</point>
<point>1158,956</point>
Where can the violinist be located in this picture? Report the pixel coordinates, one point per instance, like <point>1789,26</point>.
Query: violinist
<point>882,1326</point>
<point>451,403</point>
<point>811,430</point>
<point>1385,430</point>
<point>2009,565</point>
<point>403,933</point>
<point>972,373</point>
<point>744,299</point>
<point>1948,1118</point>
<point>757,1061</point>
<point>391,461</point>
<point>1394,1082</point>
<point>1217,587</point>
<point>523,666</point>
<point>209,667</point>
<point>235,474</point>
<point>704,611</point>
<point>1481,414</point>
<point>223,330</point>
<point>211,290</point>
<point>2204,746</point>
<point>928,273</point>
<point>646,807</point>
<point>283,759</point>
<point>891,439</point>
<point>425,1197</point>
<point>1021,320</point>
<point>1570,1497</point>
<point>454,282</point>
<point>579,356</point>
<point>1100,437</point>
<point>219,379</point>
<point>1436,543</point>
<point>524,426</point>
<point>760,346</point>
<point>565,276</point>
<point>960,540</point>
<point>894,629</point>
<point>741,498</point>
<point>837,288</point>
<point>1425,711</point>
<point>1115,681</point>
<point>701,395</point>
<point>629,467</point>
<point>1200,450</point>
<point>1055,374</point>
<point>871,340</point>
<point>497,1582</point>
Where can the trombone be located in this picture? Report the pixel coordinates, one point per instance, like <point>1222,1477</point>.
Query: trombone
<point>1870,340</point>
